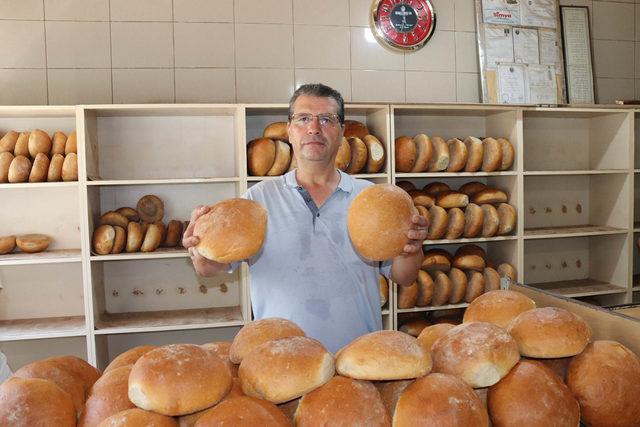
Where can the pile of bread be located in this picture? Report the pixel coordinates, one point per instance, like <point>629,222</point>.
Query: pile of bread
<point>36,157</point>
<point>486,211</point>
<point>424,154</point>
<point>509,363</point>
<point>453,279</point>
<point>29,243</point>
<point>137,230</point>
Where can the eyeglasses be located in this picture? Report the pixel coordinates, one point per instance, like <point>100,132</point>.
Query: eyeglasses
<point>305,119</point>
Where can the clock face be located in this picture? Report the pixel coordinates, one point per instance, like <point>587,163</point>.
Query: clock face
<point>403,25</point>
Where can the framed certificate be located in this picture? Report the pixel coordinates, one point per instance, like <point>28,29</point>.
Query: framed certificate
<point>577,54</point>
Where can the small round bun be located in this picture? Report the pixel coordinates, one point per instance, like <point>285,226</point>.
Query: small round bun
<point>378,221</point>
<point>343,158</point>
<point>244,411</point>
<point>489,195</point>
<point>406,153</point>
<point>440,158</point>
<point>492,159</point>
<point>426,288</point>
<point>430,334</point>
<point>232,230</point>
<point>508,271</point>
<point>439,400</point>
<point>478,353</point>
<point>71,146</point>
<point>359,155</point>
<point>129,357</point>
<point>475,285</point>
<point>458,155</point>
<point>134,237</point>
<point>342,402</point>
<point>276,130</point>
<point>455,227</point>
<point>471,250</point>
<point>40,168</point>
<point>458,281</point>
<point>7,244</point>
<point>103,238</point>
<point>354,128</point>
<point>436,259</point>
<point>174,234</point>
<point>383,356</point>
<point>498,307</point>
<point>150,208</point>
<point>57,143</point>
<point>285,369</point>
<point>107,397</point>
<point>407,295</point>
<point>424,152</point>
<point>475,151</point>
<point>54,174</point>
<point>114,218</point>
<point>261,154</point>
<point>442,288</point>
<point>258,332</point>
<point>137,417</point>
<point>508,154</point>
<point>129,213</point>
<point>421,198</point>
<point>506,219</point>
<point>490,222</point>
<point>413,327</point>
<point>120,240</point>
<point>550,332</point>
<point>152,238</point>
<point>39,142</point>
<point>282,159</point>
<point>471,188</point>
<point>22,145</point>
<point>491,279</point>
<point>439,223</point>
<point>469,262</point>
<point>6,158</point>
<point>19,169</point>
<point>452,199</point>
<point>8,141</point>
<point>33,243</point>
<point>70,167</point>
<point>473,220</point>
<point>435,188</point>
<point>406,185</point>
<point>375,154</point>
<point>178,379</point>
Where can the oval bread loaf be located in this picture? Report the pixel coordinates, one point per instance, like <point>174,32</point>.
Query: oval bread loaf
<point>405,153</point>
<point>261,154</point>
<point>375,154</point>
<point>343,158</point>
<point>440,158</point>
<point>54,174</point>
<point>359,155</point>
<point>424,152</point>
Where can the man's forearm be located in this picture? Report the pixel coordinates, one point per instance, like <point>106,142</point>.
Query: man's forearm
<point>404,269</point>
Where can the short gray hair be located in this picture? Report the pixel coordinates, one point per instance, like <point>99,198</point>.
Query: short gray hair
<point>321,91</point>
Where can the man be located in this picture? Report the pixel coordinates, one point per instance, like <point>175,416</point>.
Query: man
<point>308,271</point>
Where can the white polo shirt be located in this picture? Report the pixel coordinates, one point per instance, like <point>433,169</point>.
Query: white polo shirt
<point>308,271</point>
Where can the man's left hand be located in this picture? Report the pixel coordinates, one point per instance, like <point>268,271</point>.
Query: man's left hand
<point>416,234</point>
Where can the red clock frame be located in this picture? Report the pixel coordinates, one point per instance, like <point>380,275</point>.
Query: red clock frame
<point>403,25</point>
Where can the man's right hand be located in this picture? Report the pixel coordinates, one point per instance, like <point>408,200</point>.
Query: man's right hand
<point>203,266</point>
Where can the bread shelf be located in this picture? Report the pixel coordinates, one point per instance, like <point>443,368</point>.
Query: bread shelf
<point>159,253</point>
<point>452,174</point>
<point>576,172</point>
<point>163,181</point>
<point>579,288</point>
<point>51,327</point>
<point>169,320</point>
<point>431,308</point>
<point>46,257</point>
<point>572,231</point>
<point>471,240</point>
<point>30,185</point>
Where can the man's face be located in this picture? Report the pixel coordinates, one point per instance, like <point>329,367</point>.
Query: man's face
<point>316,139</point>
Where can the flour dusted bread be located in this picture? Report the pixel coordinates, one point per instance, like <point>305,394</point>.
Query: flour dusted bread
<point>489,195</point>
<point>108,396</point>
<point>129,357</point>
<point>605,378</point>
<point>27,402</point>
<point>378,221</point>
<point>40,168</point>
<point>32,243</point>
<point>499,307</point>
<point>8,141</point>
<point>390,391</point>
<point>7,244</point>
<point>54,173</point>
<point>343,401</point>
<point>430,334</point>
<point>285,369</point>
<point>178,379</point>
<point>19,169</point>
<point>478,353</point>
<point>244,411</point>
<point>473,220</point>
<point>137,417</point>
<point>532,395</point>
<point>87,373</point>
<point>70,167</point>
<point>232,230</point>
<point>383,355</point>
<point>452,199</point>
<point>439,400</point>
<point>261,154</point>
<point>550,332</point>
<point>507,217</point>
<point>259,332</point>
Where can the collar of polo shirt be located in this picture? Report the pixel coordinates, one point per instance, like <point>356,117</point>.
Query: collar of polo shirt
<point>345,184</point>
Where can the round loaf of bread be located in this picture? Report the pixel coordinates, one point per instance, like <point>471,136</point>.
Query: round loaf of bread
<point>71,146</point>
<point>342,402</point>
<point>489,195</point>
<point>378,221</point>
<point>114,218</point>
<point>150,208</point>
<point>490,222</point>
<point>452,199</point>
<point>232,230</point>
<point>285,369</point>
<point>258,332</point>
<point>471,250</point>
<point>455,227</point>
<point>506,219</point>
<point>475,285</point>
<point>174,234</point>
<point>508,154</point>
<point>120,240</point>
<point>471,188</point>
<point>605,378</point>
<point>261,154</point>
<point>8,141</point>
<point>58,142</point>
<point>32,243</point>
<point>439,400</point>
<point>550,332</point>
<point>458,155</point>
<point>424,212</point>
<point>354,128</point>
<point>532,395</point>
<point>152,238</point>
<point>424,152</point>
<point>383,356</point>
<point>458,281</point>
<point>221,349</point>
<point>492,159</point>
<point>343,158</point>
<point>440,158</point>
<point>39,142</point>
<point>425,289</point>
<point>406,185</point>
<point>103,239</point>
<point>508,271</point>
<point>413,327</point>
<point>442,288</point>
<point>70,167</point>
<point>107,397</point>
<point>491,279</point>
<point>390,391</point>
<point>6,158</point>
<point>242,411</point>
<point>473,220</point>
<point>405,153</point>
<point>375,154</point>
<point>129,357</point>
<point>137,417</point>
<point>83,370</point>
<point>359,155</point>
<point>436,259</point>
<point>276,131</point>
<point>435,188</point>
<point>178,379</point>
<point>134,237</point>
<point>439,223</point>
<point>7,244</point>
<point>54,174</point>
<point>468,262</point>
<point>282,159</point>
<point>499,307</point>
<point>478,353</point>
<point>22,145</point>
<point>19,169</point>
<point>421,198</point>
<point>40,168</point>
<point>475,151</point>
<point>431,333</point>
<point>35,402</point>
<point>129,213</point>
<point>407,295</point>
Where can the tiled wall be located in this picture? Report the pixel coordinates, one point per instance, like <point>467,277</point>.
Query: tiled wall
<point>139,51</point>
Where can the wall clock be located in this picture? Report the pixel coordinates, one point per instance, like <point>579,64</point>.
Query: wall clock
<point>402,25</point>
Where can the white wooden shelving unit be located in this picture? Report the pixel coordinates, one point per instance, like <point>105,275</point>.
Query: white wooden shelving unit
<point>576,192</point>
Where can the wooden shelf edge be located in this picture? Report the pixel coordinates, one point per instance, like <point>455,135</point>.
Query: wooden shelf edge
<point>113,182</point>
<point>453,174</point>
<point>431,308</point>
<point>157,254</point>
<point>27,185</point>
<point>571,231</point>
<point>58,256</point>
<point>42,328</point>
<point>579,288</point>
<point>470,240</point>
<point>576,172</point>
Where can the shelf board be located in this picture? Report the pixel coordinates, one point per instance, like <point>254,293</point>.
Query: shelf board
<point>169,320</point>
<point>56,256</point>
<point>360,176</point>
<point>452,174</point>
<point>179,252</point>
<point>163,181</point>
<point>50,327</point>
<point>385,312</point>
<point>636,288</point>
<point>472,240</point>
<point>579,288</point>
<point>23,185</point>
<point>636,170</point>
<point>432,308</point>
<point>571,231</point>
<point>576,172</point>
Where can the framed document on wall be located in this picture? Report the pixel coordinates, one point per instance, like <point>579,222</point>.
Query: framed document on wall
<point>577,54</point>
